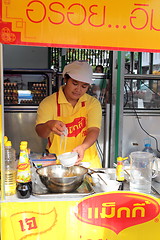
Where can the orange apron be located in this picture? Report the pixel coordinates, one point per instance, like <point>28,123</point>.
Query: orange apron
<point>77,130</point>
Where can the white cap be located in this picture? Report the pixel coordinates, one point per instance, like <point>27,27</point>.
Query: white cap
<point>80,71</point>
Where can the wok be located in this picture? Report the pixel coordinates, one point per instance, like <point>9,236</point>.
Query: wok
<point>60,179</point>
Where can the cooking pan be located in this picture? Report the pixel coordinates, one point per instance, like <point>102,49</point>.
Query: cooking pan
<point>60,179</point>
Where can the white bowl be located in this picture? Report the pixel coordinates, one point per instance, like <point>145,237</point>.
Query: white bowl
<point>112,185</point>
<point>68,159</point>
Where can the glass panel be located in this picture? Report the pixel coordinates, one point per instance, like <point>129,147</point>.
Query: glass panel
<point>142,93</point>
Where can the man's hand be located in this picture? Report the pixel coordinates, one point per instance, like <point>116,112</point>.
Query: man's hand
<point>57,127</point>
<point>90,139</point>
<point>80,150</point>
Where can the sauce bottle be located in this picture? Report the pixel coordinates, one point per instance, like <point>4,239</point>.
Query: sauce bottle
<point>24,184</point>
<point>120,171</point>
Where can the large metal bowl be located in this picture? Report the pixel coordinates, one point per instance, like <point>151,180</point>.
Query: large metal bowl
<point>60,179</point>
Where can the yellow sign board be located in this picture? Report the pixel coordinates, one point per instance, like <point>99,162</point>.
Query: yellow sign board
<point>113,25</point>
<point>104,216</point>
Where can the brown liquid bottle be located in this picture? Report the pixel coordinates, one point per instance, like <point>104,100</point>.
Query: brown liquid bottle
<point>24,184</point>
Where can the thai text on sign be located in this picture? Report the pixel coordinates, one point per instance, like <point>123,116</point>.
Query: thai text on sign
<point>117,25</point>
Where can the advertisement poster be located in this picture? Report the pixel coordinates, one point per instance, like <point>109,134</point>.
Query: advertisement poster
<point>114,25</point>
<point>104,216</point>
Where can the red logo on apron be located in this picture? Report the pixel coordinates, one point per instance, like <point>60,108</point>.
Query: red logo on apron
<point>117,211</point>
<point>76,126</point>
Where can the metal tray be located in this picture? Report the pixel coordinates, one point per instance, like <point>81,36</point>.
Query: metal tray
<point>84,189</point>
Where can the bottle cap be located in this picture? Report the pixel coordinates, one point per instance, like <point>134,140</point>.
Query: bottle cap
<point>8,144</point>
<point>147,145</point>
<point>119,159</point>
<point>23,147</point>
<point>5,139</point>
<point>25,143</point>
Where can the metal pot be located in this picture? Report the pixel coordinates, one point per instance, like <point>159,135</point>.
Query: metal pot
<point>60,179</point>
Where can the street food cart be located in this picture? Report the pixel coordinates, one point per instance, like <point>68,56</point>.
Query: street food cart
<point>113,25</point>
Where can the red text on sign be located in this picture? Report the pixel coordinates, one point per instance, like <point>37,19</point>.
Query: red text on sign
<point>28,224</point>
<point>57,13</point>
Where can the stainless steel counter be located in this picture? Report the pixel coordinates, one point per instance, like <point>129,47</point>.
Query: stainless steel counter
<point>90,189</point>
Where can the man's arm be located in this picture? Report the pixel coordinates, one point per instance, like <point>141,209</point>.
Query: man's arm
<point>92,135</point>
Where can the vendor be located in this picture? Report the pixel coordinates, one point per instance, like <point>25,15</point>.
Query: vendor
<point>72,108</point>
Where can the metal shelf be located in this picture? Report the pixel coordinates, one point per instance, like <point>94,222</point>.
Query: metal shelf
<point>142,76</point>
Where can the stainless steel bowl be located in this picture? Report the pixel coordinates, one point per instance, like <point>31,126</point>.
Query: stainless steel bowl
<point>60,179</point>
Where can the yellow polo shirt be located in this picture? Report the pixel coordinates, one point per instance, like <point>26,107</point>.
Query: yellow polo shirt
<point>47,109</point>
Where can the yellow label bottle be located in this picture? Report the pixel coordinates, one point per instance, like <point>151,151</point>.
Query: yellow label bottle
<point>24,184</point>
<point>119,169</point>
<point>23,169</point>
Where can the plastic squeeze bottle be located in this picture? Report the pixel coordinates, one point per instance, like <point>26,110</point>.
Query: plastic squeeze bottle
<point>120,169</point>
